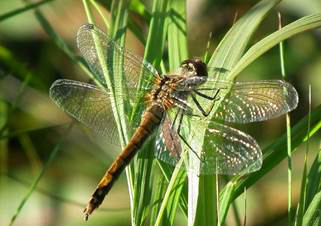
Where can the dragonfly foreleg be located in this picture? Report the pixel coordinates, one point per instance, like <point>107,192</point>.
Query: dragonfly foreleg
<point>214,98</point>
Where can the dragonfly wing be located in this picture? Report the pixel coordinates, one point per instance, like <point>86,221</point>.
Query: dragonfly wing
<point>168,146</point>
<point>246,102</point>
<point>118,60</point>
<point>225,150</point>
<point>88,104</point>
<point>212,147</point>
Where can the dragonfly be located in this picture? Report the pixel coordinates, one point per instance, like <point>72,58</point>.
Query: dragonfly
<point>188,110</point>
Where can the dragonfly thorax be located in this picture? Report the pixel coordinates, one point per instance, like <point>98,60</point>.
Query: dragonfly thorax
<point>192,73</point>
<point>162,92</point>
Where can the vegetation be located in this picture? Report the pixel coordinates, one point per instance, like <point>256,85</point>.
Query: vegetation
<point>49,167</point>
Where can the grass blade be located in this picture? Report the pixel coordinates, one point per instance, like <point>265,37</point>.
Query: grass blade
<point>304,24</point>
<point>312,215</point>
<point>4,113</point>
<point>144,161</point>
<point>55,37</point>
<point>302,202</point>
<point>233,45</point>
<point>274,154</point>
<point>314,179</point>
<point>23,9</point>
<point>288,133</point>
<point>177,52</point>
<point>176,33</point>
<point>226,56</point>
<point>52,157</point>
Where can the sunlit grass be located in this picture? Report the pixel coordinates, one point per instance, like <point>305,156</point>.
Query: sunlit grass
<point>167,25</point>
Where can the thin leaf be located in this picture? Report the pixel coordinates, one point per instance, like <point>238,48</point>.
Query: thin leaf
<point>144,160</point>
<point>314,179</point>
<point>23,9</point>
<point>4,110</point>
<point>225,57</point>
<point>52,157</point>
<point>177,52</point>
<point>233,45</point>
<point>118,32</point>
<point>274,154</point>
<point>62,44</point>
<point>312,217</point>
<point>118,27</point>
<point>302,205</point>
<point>288,132</point>
<point>304,24</point>
<point>177,34</point>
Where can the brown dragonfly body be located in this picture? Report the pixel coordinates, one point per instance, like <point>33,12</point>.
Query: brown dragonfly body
<point>158,101</point>
<point>190,94</point>
<point>150,121</point>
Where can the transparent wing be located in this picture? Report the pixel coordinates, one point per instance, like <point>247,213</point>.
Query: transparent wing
<point>244,102</point>
<point>257,101</point>
<point>168,146</point>
<point>88,104</point>
<point>225,151</point>
<point>119,61</point>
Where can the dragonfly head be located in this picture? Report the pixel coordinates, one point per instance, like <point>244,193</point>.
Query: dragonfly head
<point>193,67</point>
<point>195,72</point>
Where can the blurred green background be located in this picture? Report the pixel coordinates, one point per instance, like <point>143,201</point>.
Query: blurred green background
<point>31,125</point>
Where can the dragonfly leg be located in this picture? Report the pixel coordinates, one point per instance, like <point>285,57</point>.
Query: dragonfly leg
<point>180,135</point>
<point>214,98</point>
<point>175,118</point>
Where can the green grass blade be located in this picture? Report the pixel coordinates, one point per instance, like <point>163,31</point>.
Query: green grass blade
<point>274,154</point>
<point>118,27</point>
<point>176,33</point>
<point>233,45</point>
<point>17,68</point>
<point>301,25</point>
<point>180,180</point>
<point>55,37</point>
<point>225,200</point>
<point>160,184</point>
<point>102,15</point>
<point>288,132</point>
<point>138,7</point>
<point>302,205</point>
<point>304,24</point>
<point>4,113</point>
<point>313,213</point>
<point>31,153</point>
<point>226,56</point>
<point>157,33</point>
<point>118,32</point>
<point>144,161</point>
<point>314,179</point>
<point>171,197</point>
<point>51,158</point>
<point>23,9</point>
<point>177,52</point>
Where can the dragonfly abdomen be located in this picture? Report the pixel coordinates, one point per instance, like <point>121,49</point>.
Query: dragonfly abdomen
<point>150,121</point>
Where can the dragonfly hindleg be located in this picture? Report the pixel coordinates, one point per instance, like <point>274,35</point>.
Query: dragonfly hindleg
<point>181,112</point>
